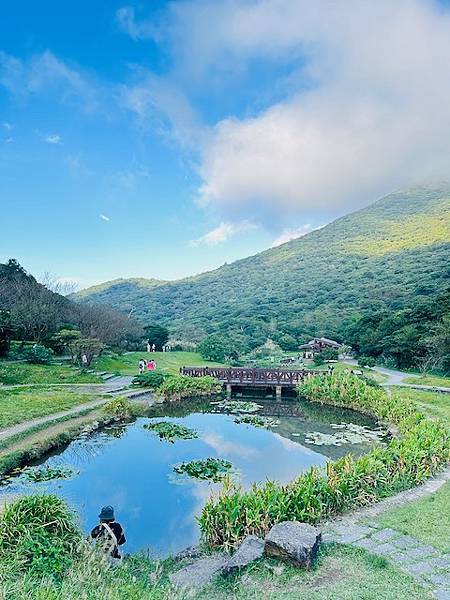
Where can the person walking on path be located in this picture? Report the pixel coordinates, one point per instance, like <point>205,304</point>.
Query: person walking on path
<point>141,366</point>
<point>109,533</point>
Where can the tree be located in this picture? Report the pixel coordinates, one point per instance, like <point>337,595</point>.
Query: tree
<point>86,349</point>
<point>366,361</point>
<point>64,339</point>
<point>157,334</point>
<point>213,347</point>
<point>329,354</point>
<point>6,332</point>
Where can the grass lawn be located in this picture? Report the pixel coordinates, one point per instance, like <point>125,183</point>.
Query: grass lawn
<point>436,380</point>
<point>343,573</point>
<point>342,366</point>
<point>23,404</point>
<point>426,519</point>
<point>170,362</point>
<point>12,373</point>
<point>434,404</point>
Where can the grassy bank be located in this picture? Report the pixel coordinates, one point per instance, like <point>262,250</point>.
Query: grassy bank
<point>436,380</point>
<point>424,519</point>
<point>16,372</point>
<point>168,362</point>
<point>43,557</point>
<point>433,404</point>
<point>26,403</point>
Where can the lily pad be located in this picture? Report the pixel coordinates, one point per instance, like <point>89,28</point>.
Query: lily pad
<point>238,406</point>
<point>214,469</point>
<point>170,432</point>
<point>257,421</point>
<point>346,434</point>
<point>40,474</point>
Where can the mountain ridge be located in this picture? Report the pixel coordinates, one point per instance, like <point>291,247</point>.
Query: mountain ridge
<point>378,258</point>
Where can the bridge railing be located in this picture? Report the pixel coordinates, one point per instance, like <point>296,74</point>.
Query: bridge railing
<point>250,376</point>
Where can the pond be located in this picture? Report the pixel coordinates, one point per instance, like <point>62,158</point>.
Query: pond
<point>130,467</point>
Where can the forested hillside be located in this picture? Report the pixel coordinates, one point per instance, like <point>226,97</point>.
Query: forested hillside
<point>378,279</point>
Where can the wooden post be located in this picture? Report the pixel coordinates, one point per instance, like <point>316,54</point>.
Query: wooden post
<point>228,390</point>
<point>278,392</point>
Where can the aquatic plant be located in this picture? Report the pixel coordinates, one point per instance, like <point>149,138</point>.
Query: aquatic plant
<point>421,448</point>
<point>257,421</point>
<point>237,406</point>
<point>170,432</point>
<point>214,469</point>
<point>349,433</point>
<point>47,473</point>
<point>176,387</point>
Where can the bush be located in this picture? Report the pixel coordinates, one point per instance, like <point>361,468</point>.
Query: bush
<point>38,355</point>
<point>329,354</point>
<point>319,360</point>
<point>39,533</point>
<point>120,408</point>
<point>150,379</point>
<point>181,386</point>
<point>366,361</point>
<point>421,449</point>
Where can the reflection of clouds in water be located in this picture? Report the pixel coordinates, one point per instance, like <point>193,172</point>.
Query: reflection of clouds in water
<point>292,446</point>
<point>227,448</point>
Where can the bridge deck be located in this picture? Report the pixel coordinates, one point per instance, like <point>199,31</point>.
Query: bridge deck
<point>242,376</point>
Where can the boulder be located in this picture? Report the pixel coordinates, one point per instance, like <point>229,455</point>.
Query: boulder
<point>251,549</point>
<point>200,572</point>
<point>189,552</point>
<point>294,542</point>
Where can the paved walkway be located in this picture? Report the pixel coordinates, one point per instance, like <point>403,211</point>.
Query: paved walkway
<point>426,564</point>
<point>396,377</point>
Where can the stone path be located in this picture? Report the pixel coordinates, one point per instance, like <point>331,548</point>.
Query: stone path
<point>426,564</point>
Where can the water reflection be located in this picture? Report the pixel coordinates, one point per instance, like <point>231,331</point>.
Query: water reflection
<point>129,467</point>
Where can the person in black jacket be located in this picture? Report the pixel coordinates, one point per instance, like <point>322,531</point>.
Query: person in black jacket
<point>109,533</point>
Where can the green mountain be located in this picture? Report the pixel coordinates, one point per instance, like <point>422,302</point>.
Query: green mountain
<point>387,261</point>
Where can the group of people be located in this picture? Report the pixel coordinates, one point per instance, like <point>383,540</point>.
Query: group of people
<point>146,365</point>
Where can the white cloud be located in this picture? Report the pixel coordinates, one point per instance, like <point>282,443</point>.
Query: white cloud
<point>222,233</point>
<point>8,126</point>
<point>365,108</point>
<point>143,29</point>
<point>9,140</point>
<point>291,233</point>
<point>53,139</point>
<point>44,73</point>
<point>104,217</point>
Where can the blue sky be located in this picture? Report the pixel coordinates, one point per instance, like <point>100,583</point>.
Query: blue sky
<point>163,139</point>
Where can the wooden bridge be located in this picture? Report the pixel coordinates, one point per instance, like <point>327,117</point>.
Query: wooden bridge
<point>242,377</point>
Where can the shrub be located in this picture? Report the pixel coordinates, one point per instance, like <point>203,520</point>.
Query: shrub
<point>421,449</point>
<point>329,354</point>
<point>150,379</point>
<point>38,355</point>
<point>366,361</point>
<point>120,408</point>
<point>39,532</point>
<point>319,360</point>
<point>181,386</point>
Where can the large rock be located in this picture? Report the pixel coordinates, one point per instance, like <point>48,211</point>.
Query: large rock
<point>251,549</point>
<point>200,572</point>
<point>295,542</point>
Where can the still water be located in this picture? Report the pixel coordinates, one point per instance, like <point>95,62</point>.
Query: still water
<point>132,469</point>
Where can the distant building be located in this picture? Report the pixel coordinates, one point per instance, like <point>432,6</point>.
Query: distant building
<point>316,346</point>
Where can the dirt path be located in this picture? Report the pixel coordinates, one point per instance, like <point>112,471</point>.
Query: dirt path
<point>80,408</point>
